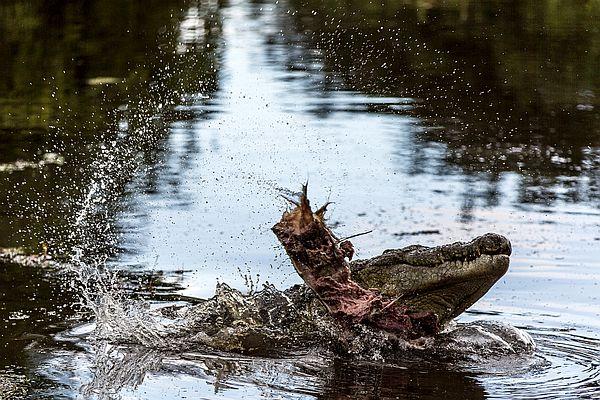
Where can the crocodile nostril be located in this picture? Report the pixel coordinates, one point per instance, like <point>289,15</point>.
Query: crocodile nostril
<point>492,243</point>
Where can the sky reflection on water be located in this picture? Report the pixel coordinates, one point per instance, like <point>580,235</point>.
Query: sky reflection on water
<point>420,116</point>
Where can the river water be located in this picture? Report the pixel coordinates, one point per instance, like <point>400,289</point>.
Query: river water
<point>179,124</point>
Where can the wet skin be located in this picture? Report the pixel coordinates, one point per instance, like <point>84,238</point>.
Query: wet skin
<point>445,280</point>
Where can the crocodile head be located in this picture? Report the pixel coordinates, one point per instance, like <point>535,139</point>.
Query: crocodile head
<point>445,280</point>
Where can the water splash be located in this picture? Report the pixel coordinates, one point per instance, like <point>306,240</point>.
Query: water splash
<point>127,368</point>
<point>117,369</point>
<point>93,237</point>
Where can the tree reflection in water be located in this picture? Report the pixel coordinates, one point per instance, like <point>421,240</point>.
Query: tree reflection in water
<point>506,87</point>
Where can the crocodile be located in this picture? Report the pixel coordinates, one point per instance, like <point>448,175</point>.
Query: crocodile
<point>399,298</point>
<point>410,292</point>
<point>445,280</point>
<point>403,296</point>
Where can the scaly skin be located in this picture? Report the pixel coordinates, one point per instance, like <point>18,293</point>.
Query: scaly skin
<point>420,281</point>
<point>445,280</point>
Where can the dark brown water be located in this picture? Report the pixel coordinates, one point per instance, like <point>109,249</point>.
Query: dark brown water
<point>176,122</point>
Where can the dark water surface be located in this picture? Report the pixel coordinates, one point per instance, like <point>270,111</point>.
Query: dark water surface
<point>169,127</point>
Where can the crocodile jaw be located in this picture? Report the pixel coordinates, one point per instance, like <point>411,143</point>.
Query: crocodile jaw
<point>446,289</point>
<point>457,287</point>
